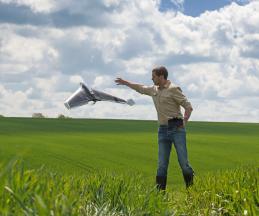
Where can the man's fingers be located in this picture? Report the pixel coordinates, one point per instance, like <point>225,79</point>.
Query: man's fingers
<point>119,81</point>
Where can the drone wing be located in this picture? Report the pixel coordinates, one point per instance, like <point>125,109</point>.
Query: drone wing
<point>80,97</point>
<point>83,95</point>
<point>107,97</point>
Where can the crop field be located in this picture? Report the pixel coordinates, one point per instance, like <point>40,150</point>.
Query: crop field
<point>82,146</point>
<point>88,147</point>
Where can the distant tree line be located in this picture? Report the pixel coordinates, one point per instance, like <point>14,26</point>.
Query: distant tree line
<point>40,115</point>
<point>61,116</point>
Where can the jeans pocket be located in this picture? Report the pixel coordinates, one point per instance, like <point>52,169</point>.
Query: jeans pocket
<point>181,126</point>
<point>181,129</point>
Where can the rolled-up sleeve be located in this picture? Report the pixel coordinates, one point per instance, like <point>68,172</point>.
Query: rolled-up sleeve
<point>180,98</point>
<point>147,90</point>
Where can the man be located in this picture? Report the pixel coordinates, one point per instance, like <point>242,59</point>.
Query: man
<point>167,98</point>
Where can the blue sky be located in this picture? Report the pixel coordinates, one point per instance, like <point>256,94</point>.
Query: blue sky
<point>48,47</point>
<point>196,7</point>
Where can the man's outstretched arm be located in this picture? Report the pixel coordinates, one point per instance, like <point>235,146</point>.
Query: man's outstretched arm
<point>135,86</point>
<point>142,89</point>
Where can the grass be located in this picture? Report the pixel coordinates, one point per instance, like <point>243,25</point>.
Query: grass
<point>229,192</point>
<point>107,167</point>
<point>40,192</point>
<point>80,146</point>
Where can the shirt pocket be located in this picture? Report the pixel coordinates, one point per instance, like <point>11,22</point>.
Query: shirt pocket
<point>165,98</point>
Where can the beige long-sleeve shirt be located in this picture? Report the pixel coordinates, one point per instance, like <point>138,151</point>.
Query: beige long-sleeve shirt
<point>167,100</point>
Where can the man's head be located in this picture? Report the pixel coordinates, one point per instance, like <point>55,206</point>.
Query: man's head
<point>159,75</point>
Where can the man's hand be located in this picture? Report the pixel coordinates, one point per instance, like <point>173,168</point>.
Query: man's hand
<point>184,122</point>
<point>187,115</point>
<point>120,81</point>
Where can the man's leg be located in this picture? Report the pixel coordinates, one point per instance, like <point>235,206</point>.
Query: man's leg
<point>181,150</point>
<point>164,149</point>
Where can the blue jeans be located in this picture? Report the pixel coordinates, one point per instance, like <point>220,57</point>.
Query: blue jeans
<point>166,136</point>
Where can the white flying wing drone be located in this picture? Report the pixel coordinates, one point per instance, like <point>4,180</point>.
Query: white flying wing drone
<point>83,95</point>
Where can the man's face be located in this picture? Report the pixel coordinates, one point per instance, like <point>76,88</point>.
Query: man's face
<point>156,79</point>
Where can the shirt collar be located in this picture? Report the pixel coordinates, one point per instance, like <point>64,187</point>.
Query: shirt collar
<point>167,84</point>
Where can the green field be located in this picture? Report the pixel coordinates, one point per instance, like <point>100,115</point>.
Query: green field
<point>107,167</point>
<point>81,146</point>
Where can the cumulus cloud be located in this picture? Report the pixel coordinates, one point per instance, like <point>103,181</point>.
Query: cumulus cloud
<point>102,81</point>
<point>24,56</point>
<point>58,13</point>
<point>46,49</point>
<point>34,5</point>
<point>179,4</point>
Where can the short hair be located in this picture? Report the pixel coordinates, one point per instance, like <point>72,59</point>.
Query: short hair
<point>161,71</point>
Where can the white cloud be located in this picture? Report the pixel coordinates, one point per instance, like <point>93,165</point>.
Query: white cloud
<point>27,51</point>
<point>102,81</point>
<point>179,4</point>
<point>243,110</point>
<point>214,58</point>
<point>24,56</point>
<point>76,79</point>
<point>35,5</point>
<point>136,66</point>
<point>17,103</point>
